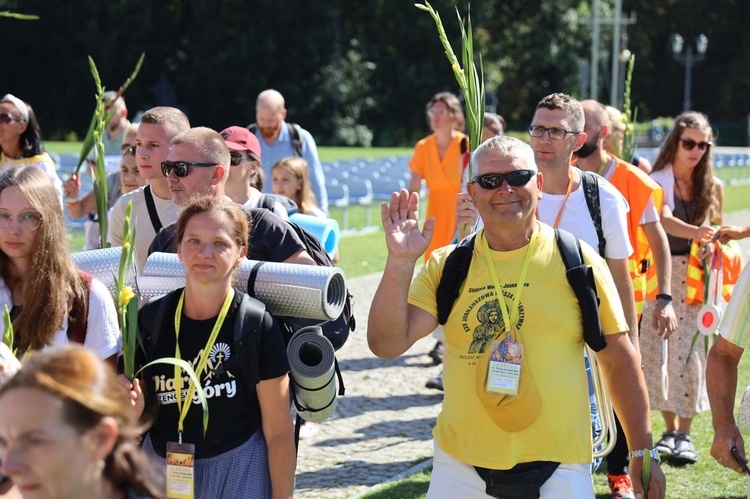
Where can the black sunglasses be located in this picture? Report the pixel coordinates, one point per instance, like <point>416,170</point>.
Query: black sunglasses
<point>516,178</point>
<point>235,158</point>
<point>7,118</point>
<point>689,145</point>
<point>181,168</point>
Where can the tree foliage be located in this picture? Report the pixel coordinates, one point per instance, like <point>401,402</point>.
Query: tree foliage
<point>380,61</point>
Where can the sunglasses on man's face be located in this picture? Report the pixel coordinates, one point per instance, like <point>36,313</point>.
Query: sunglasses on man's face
<point>181,168</point>
<point>516,178</point>
<point>7,118</point>
<point>689,145</point>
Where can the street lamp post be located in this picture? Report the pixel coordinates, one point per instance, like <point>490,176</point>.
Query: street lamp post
<point>690,58</point>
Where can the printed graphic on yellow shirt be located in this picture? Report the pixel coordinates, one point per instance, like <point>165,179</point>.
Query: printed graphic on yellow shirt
<point>484,311</point>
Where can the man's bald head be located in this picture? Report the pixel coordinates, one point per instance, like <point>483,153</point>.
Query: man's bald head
<point>595,112</point>
<point>270,98</point>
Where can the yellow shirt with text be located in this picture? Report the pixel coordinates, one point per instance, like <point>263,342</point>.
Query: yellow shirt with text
<point>549,323</point>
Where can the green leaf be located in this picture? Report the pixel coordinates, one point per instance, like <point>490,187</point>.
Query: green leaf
<point>21,17</point>
<point>193,378</point>
<point>8,337</point>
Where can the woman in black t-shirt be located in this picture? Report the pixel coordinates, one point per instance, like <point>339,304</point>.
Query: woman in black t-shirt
<point>248,446</point>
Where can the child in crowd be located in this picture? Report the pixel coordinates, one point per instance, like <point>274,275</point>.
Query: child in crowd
<point>291,179</point>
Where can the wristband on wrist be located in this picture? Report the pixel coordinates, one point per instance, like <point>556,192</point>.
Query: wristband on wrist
<point>664,297</point>
<point>644,452</point>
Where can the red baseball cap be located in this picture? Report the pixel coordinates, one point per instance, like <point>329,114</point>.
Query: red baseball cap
<point>240,138</point>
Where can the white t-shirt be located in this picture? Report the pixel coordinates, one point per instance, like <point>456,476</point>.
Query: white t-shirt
<point>144,229</point>
<point>42,161</point>
<point>254,200</point>
<point>576,218</point>
<point>102,329</point>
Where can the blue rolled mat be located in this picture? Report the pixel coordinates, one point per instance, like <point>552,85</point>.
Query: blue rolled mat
<point>325,230</point>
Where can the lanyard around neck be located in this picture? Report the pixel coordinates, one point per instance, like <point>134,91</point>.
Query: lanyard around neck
<point>184,408</point>
<point>565,200</point>
<point>509,318</point>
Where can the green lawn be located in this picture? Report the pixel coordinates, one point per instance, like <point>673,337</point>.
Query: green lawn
<point>325,153</point>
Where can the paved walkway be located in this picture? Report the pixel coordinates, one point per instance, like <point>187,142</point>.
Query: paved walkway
<point>382,426</point>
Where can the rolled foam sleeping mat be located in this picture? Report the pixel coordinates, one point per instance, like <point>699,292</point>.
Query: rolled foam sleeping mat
<point>313,374</point>
<point>104,264</point>
<point>287,289</point>
<point>325,230</point>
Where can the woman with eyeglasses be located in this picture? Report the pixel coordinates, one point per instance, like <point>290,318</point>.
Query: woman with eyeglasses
<point>21,140</point>
<point>247,449</point>
<point>693,200</point>
<point>51,303</point>
<point>126,180</point>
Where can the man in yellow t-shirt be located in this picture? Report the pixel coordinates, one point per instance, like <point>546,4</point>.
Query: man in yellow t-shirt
<point>547,422</point>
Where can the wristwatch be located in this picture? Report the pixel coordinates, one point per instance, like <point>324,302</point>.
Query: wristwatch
<point>642,452</point>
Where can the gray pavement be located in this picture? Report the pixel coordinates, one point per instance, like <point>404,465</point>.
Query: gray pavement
<point>382,427</point>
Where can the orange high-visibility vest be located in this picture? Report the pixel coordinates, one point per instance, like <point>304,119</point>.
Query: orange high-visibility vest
<point>637,188</point>
<point>731,264</point>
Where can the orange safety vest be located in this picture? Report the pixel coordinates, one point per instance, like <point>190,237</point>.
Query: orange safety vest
<point>637,188</point>
<point>731,264</point>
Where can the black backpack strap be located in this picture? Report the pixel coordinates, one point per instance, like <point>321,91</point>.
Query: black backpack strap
<point>590,183</point>
<point>296,136</point>
<point>454,274</point>
<point>581,278</point>
<point>152,213</point>
<point>266,202</point>
<point>247,325</point>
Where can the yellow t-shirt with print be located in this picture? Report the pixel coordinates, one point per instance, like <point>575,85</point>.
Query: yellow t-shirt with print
<point>549,323</point>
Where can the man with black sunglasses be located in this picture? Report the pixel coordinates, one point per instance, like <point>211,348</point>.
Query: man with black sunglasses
<point>523,421</point>
<point>198,164</point>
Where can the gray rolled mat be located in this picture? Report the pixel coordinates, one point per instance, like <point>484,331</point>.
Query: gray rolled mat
<point>287,289</point>
<point>104,264</point>
<point>313,378</point>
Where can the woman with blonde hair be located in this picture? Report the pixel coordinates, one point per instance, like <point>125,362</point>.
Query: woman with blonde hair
<point>693,200</point>
<point>291,178</point>
<point>51,303</point>
<point>67,430</point>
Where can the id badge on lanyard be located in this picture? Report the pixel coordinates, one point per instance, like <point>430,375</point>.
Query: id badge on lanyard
<point>506,354</point>
<point>181,455</point>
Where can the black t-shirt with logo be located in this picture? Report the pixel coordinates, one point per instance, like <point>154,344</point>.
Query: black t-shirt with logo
<point>233,414</point>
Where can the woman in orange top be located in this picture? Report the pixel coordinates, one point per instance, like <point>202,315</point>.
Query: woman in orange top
<point>437,161</point>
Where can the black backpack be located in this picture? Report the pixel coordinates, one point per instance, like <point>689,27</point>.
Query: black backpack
<point>246,336</point>
<point>336,330</point>
<point>294,133</point>
<point>590,182</point>
<point>580,277</point>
